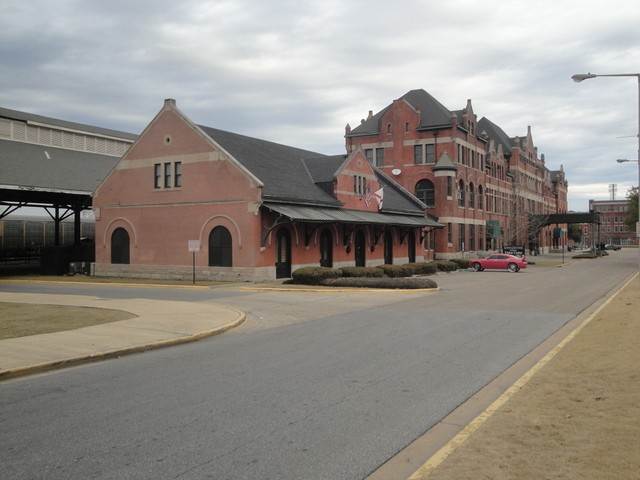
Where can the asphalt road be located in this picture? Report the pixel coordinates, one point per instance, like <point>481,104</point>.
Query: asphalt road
<point>313,385</point>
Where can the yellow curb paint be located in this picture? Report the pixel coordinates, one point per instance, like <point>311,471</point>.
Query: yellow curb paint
<point>437,458</point>
<point>341,290</point>
<point>108,284</point>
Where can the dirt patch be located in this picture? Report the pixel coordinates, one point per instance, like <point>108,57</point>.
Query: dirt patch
<point>21,320</point>
<point>576,418</point>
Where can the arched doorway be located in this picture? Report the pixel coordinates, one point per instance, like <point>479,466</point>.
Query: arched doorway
<point>388,247</point>
<point>411,246</point>
<point>283,254</point>
<point>220,250</point>
<point>120,246</point>
<point>326,248</point>
<point>360,249</point>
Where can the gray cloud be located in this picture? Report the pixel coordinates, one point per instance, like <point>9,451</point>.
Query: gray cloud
<point>298,72</point>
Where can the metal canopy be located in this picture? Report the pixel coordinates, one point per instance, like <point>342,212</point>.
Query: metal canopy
<point>337,215</point>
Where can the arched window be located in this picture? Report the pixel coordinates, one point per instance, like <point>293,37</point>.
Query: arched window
<point>480,197</point>
<point>220,254</point>
<point>461,193</point>
<point>120,246</point>
<point>472,196</point>
<point>426,192</point>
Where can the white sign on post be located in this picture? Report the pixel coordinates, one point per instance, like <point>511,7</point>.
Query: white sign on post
<point>194,245</point>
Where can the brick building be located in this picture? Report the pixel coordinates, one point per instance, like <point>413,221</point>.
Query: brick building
<point>186,197</point>
<point>475,179</point>
<point>612,227</point>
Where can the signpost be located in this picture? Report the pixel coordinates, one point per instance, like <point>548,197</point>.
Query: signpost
<point>194,246</point>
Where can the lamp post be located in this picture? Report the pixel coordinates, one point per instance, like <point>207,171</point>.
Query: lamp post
<point>579,77</point>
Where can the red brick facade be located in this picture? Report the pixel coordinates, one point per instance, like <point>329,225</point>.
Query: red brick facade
<point>177,188</point>
<point>612,227</point>
<point>479,183</point>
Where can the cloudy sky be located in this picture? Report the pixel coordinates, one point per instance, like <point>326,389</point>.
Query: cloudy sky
<point>296,72</point>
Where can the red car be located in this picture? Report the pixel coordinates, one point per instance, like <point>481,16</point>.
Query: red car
<point>498,261</point>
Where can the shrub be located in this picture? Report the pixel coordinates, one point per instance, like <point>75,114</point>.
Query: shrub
<point>422,268</point>
<point>314,275</point>
<point>407,283</point>
<point>461,262</point>
<point>394,271</point>
<point>446,266</point>
<point>361,272</point>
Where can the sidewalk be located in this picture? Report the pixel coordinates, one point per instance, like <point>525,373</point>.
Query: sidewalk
<point>158,324</point>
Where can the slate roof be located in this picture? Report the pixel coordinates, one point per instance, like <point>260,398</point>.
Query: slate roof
<point>292,175</point>
<point>433,114</point>
<point>26,166</point>
<point>278,166</point>
<point>496,134</point>
<point>289,174</point>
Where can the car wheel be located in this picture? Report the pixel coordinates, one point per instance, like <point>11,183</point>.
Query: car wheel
<point>512,267</point>
<point>476,266</point>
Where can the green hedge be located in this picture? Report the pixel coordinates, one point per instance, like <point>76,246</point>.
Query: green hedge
<point>446,266</point>
<point>314,275</point>
<point>361,272</point>
<point>461,262</point>
<point>422,268</point>
<point>395,271</point>
<point>405,283</point>
<point>382,276</point>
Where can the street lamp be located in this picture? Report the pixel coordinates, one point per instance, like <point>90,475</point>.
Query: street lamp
<point>579,77</point>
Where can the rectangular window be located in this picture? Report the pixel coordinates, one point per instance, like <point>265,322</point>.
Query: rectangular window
<point>167,175</point>
<point>417,154</point>
<point>157,175</point>
<point>472,237</point>
<point>461,237</point>
<point>431,153</point>
<point>449,187</point>
<point>368,153</point>
<point>379,157</point>
<point>358,185</point>
<point>177,174</point>
<point>449,232</point>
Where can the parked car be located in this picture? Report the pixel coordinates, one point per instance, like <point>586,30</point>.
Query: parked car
<point>611,246</point>
<point>498,261</point>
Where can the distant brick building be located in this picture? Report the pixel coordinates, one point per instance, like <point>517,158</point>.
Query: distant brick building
<point>475,179</point>
<point>612,227</point>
